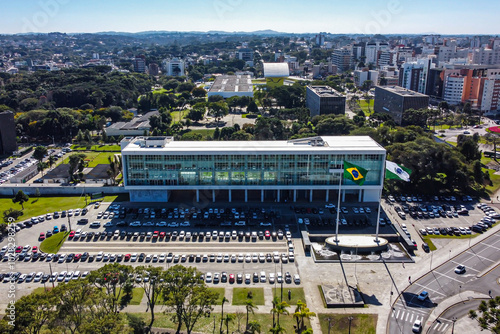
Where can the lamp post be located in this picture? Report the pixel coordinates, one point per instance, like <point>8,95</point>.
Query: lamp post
<point>329,324</point>
<point>350,320</point>
<point>454,319</point>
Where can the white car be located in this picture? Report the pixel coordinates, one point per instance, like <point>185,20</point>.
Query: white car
<point>208,277</point>
<point>173,224</point>
<point>38,276</point>
<point>108,224</point>
<point>417,326</point>
<point>329,206</point>
<point>99,256</point>
<point>161,224</point>
<point>162,257</point>
<point>76,275</point>
<point>135,224</point>
<point>61,276</point>
<point>296,278</point>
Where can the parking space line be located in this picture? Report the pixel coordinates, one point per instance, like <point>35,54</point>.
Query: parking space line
<point>468,268</point>
<point>491,246</point>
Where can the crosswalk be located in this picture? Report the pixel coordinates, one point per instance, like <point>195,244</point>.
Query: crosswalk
<point>409,317</point>
<point>439,327</point>
<point>406,315</point>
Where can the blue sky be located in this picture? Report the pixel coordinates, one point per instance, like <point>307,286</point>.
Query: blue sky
<point>334,16</point>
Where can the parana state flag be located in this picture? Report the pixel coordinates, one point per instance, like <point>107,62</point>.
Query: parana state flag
<point>396,172</point>
<point>354,173</point>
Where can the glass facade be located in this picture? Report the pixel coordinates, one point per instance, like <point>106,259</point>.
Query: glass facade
<point>240,170</point>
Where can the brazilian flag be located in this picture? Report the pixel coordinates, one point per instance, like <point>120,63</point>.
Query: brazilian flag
<point>354,173</point>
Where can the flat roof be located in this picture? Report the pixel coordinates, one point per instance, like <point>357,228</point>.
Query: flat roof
<point>276,70</point>
<point>325,91</point>
<point>323,144</point>
<point>401,91</point>
<point>232,83</point>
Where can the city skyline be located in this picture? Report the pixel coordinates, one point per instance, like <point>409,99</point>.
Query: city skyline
<point>367,17</point>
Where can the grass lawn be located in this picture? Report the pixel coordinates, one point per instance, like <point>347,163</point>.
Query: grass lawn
<point>241,294</point>
<point>297,294</point>
<point>94,158</point>
<point>206,325</point>
<point>495,179</point>
<point>364,106</point>
<point>38,206</point>
<point>429,242</point>
<point>221,292</point>
<point>204,132</point>
<point>114,148</point>
<point>53,243</point>
<point>176,114</point>
<point>137,294</point>
<point>361,323</point>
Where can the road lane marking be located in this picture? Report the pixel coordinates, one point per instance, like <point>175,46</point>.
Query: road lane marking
<point>449,277</point>
<point>429,289</point>
<point>479,256</point>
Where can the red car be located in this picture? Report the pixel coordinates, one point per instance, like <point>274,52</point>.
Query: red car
<point>267,234</point>
<point>162,235</point>
<point>34,249</point>
<point>231,278</point>
<point>19,249</point>
<point>42,236</point>
<point>77,257</point>
<point>127,257</point>
<point>155,234</point>
<point>71,234</point>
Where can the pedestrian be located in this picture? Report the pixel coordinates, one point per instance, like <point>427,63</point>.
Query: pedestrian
<point>409,279</point>
<point>403,264</point>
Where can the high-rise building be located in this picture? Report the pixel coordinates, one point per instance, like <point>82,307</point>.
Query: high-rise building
<point>8,143</point>
<point>413,75</point>
<point>372,50</point>
<point>140,64</point>
<point>320,39</point>
<point>342,58</point>
<point>322,100</point>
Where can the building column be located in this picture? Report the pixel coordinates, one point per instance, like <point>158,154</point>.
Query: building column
<point>294,195</point>
<point>278,197</point>
<point>327,195</point>
<point>197,196</point>
<point>246,195</point>
<point>360,195</point>
<point>230,195</point>
<point>343,195</point>
<point>262,195</point>
<point>213,195</point>
<point>310,195</point>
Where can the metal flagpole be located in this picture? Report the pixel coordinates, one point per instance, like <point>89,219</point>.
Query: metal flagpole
<point>338,207</point>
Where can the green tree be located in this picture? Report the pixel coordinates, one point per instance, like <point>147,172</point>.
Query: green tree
<point>252,107</point>
<point>39,153</point>
<point>218,110</point>
<point>302,313</point>
<point>11,213</point>
<point>199,92</point>
<point>153,288</point>
<point>20,198</point>
<point>32,313</point>
<point>488,315</point>
<point>279,307</point>
<point>228,319</point>
<point>186,296</point>
<point>253,327</point>
<point>115,281</point>
<point>249,307</point>
<point>115,166</point>
<point>76,162</point>
<point>224,300</point>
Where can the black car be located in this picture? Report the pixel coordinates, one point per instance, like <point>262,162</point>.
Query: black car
<point>84,256</point>
<point>70,257</point>
<point>84,211</point>
<point>121,223</point>
<point>45,278</point>
<point>63,227</point>
<point>255,277</point>
<point>288,277</point>
<point>141,257</point>
<point>129,235</point>
<point>48,234</point>
<point>109,234</point>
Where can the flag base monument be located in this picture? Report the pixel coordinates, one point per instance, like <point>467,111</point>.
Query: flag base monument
<point>357,243</point>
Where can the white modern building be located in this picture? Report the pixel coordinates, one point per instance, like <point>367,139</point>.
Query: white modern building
<point>360,76</point>
<point>453,89</point>
<point>159,169</point>
<point>232,85</point>
<point>174,67</point>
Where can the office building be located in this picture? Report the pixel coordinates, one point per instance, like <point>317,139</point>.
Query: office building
<point>159,169</point>
<point>232,85</point>
<point>395,101</point>
<point>8,143</point>
<point>323,100</point>
<point>413,75</point>
<point>342,58</point>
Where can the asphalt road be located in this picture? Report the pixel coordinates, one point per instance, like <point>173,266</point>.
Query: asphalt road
<point>442,282</point>
<point>447,318</point>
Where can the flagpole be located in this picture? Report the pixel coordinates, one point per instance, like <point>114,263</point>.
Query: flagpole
<point>338,207</point>
<point>378,218</point>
